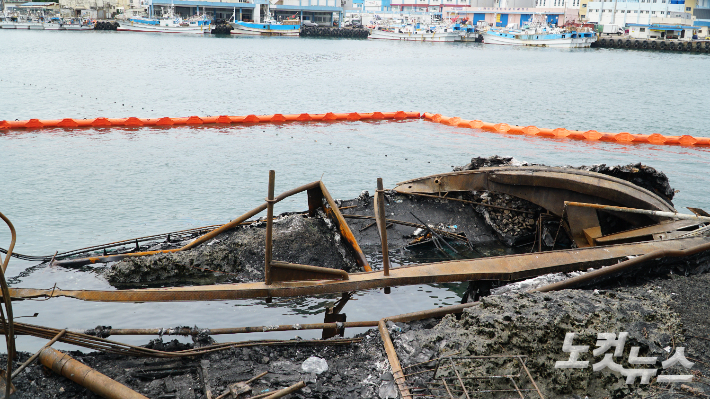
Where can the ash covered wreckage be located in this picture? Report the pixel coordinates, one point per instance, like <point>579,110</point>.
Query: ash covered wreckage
<point>546,251</point>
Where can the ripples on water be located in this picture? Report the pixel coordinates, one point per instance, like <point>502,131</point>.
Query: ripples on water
<point>69,189</point>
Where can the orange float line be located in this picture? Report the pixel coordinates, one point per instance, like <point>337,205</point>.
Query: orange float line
<point>589,135</point>
<point>69,123</point>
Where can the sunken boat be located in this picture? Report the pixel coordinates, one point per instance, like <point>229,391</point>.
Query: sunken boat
<point>492,222</point>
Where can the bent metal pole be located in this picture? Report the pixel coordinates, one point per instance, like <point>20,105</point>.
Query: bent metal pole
<point>673,215</point>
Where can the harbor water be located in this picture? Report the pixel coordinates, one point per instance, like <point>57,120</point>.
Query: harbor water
<point>67,189</point>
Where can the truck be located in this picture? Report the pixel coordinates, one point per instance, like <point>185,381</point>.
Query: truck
<point>612,29</point>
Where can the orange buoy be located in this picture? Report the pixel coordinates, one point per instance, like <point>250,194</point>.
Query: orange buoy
<point>251,119</point>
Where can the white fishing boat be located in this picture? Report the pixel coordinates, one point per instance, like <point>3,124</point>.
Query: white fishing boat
<point>415,33</point>
<point>78,24</point>
<point>29,23</point>
<point>169,23</point>
<point>540,34</point>
<point>54,23</point>
<point>8,22</point>
<point>165,25</point>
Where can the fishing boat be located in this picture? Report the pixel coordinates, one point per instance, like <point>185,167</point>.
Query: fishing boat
<point>468,33</point>
<point>8,22</point>
<point>29,23</point>
<point>77,24</point>
<point>540,34</point>
<point>54,23</point>
<point>416,33</point>
<point>169,23</point>
<point>269,27</point>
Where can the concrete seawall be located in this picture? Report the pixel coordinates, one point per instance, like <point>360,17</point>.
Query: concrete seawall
<point>690,46</point>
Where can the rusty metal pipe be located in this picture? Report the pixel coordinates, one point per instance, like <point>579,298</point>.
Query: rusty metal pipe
<point>269,228</point>
<point>234,330</point>
<point>382,225</point>
<point>627,264</point>
<point>36,355</point>
<point>425,314</point>
<point>85,376</point>
<point>673,215</point>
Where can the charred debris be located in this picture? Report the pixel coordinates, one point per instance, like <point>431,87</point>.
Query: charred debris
<point>521,234</point>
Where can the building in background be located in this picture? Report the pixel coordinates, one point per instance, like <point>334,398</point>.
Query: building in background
<point>515,12</point>
<point>623,12</point>
<point>701,12</point>
<point>323,12</point>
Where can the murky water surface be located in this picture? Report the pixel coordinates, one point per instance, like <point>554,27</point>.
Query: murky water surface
<point>69,189</point>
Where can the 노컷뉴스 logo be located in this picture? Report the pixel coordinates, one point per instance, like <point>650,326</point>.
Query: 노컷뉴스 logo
<point>605,341</point>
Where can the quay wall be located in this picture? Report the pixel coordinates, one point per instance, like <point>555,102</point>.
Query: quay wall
<point>625,42</point>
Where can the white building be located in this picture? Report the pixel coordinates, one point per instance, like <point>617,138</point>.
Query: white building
<point>434,6</point>
<point>657,31</point>
<point>622,12</point>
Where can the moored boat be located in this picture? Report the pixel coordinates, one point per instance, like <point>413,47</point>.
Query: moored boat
<point>268,28</point>
<point>416,33</point>
<point>540,34</point>
<point>8,22</point>
<point>173,24</point>
<point>54,23</point>
<point>77,24</point>
<point>170,22</point>
<point>28,23</point>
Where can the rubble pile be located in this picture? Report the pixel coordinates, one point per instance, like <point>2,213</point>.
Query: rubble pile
<point>487,162</point>
<point>639,174</point>
<point>238,255</point>
<point>513,228</point>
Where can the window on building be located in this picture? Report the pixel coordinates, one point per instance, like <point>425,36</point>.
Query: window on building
<point>583,16</point>
<point>642,29</point>
<point>653,12</point>
<point>687,9</point>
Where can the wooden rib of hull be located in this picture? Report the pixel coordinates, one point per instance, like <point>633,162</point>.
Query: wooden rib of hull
<point>505,268</point>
